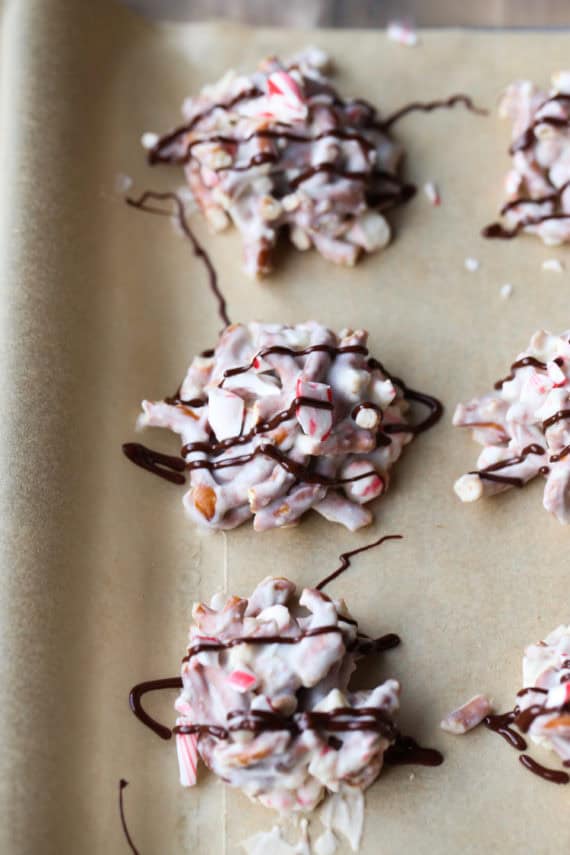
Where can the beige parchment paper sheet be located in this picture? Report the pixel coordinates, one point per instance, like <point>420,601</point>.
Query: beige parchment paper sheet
<point>102,305</point>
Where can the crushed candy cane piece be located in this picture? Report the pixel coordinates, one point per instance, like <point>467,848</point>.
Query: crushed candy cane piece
<point>432,194</point>
<point>467,716</point>
<point>553,265</point>
<point>506,290</point>
<point>314,421</point>
<point>187,752</point>
<point>242,680</point>
<point>403,33</point>
<point>472,264</point>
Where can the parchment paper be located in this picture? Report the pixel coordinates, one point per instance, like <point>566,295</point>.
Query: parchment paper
<point>102,305</point>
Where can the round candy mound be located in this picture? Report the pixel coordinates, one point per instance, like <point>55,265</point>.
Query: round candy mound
<point>281,419</point>
<point>265,700</point>
<point>280,151</point>
<point>524,426</point>
<point>538,183</point>
<point>546,669</point>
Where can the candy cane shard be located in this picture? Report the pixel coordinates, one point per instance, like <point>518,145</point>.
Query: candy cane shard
<point>524,427</point>
<point>285,419</point>
<point>262,152</point>
<point>537,185</point>
<point>467,716</point>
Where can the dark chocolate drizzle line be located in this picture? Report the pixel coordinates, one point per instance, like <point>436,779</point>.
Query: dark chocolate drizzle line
<point>555,776</point>
<point>199,250</point>
<point>406,750</point>
<point>520,363</point>
<point>346,556</point>
<point>429,106</point>
<point>215,448</point>
<point>501,724</point>
<point>164,465</point>
<point>489,473</point>
<point>554,458</point>
<point>496,230</point>
<point>557,417</point>
<point>282,350</point>
<point>300,471</point>
<point>435,407</point>
<point>539,200</point>
<point>527,137</point>
<point>155,153</point>
<point>136,706</point>
<point>129,839</point>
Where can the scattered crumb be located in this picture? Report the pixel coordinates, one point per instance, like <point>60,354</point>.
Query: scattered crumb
<point>471,264</point>
<point>123,183</point>
<point>412,776</point>
<point>506,291</point>
<point>403,33</point>
<point>148,139</point>
<point>553,265</point>
<point>467,716</point>
<point>432,193</point>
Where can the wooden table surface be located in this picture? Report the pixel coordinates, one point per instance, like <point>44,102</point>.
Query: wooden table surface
<point>364,13</point>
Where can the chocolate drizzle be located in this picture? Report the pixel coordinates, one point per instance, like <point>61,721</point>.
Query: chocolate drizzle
<point>199,250</point>
<point>434,406</point>
<point>523,719</point>
<point>555,776</point>
<point>501,724</point>
<point>346,556</point>
<point>496,230</point>
<point>129,839</point>
<point>136,706</point>
<point>281,350</point>
<point>520,363</point>
<point>557,417</point>
<point>406,750</point>
<point>156,153</point>
<point>429,106</point>
<point>164,465</point>
<point>527,138</point>
<point>489,473</point>
<point>215,448</point>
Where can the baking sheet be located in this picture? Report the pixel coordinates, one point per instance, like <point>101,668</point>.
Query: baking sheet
<point>102,305</point>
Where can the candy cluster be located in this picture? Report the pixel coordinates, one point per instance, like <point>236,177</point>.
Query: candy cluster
<point>281,419</point>
<point>524,426</point>
<point>281,152</point>
<point>265,700</point>
<point>538,183</point>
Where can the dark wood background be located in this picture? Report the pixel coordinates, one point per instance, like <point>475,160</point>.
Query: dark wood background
<point>364,13</point>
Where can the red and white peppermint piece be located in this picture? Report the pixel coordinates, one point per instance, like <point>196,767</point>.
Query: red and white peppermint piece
<point>403,33</point>
<point>284,100</point>
<point>225,412</point>
<point>314,421</point>
<point>432,193</point>
<point>242,680</point>
<point>187,751</point>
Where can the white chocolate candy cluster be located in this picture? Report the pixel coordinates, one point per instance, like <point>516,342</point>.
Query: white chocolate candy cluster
<point>274,718</point>
<point>538,183</point>
<point>280,151</point>
<point>281,419</point>
<point>524,427</point>
<point>546,667</point>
